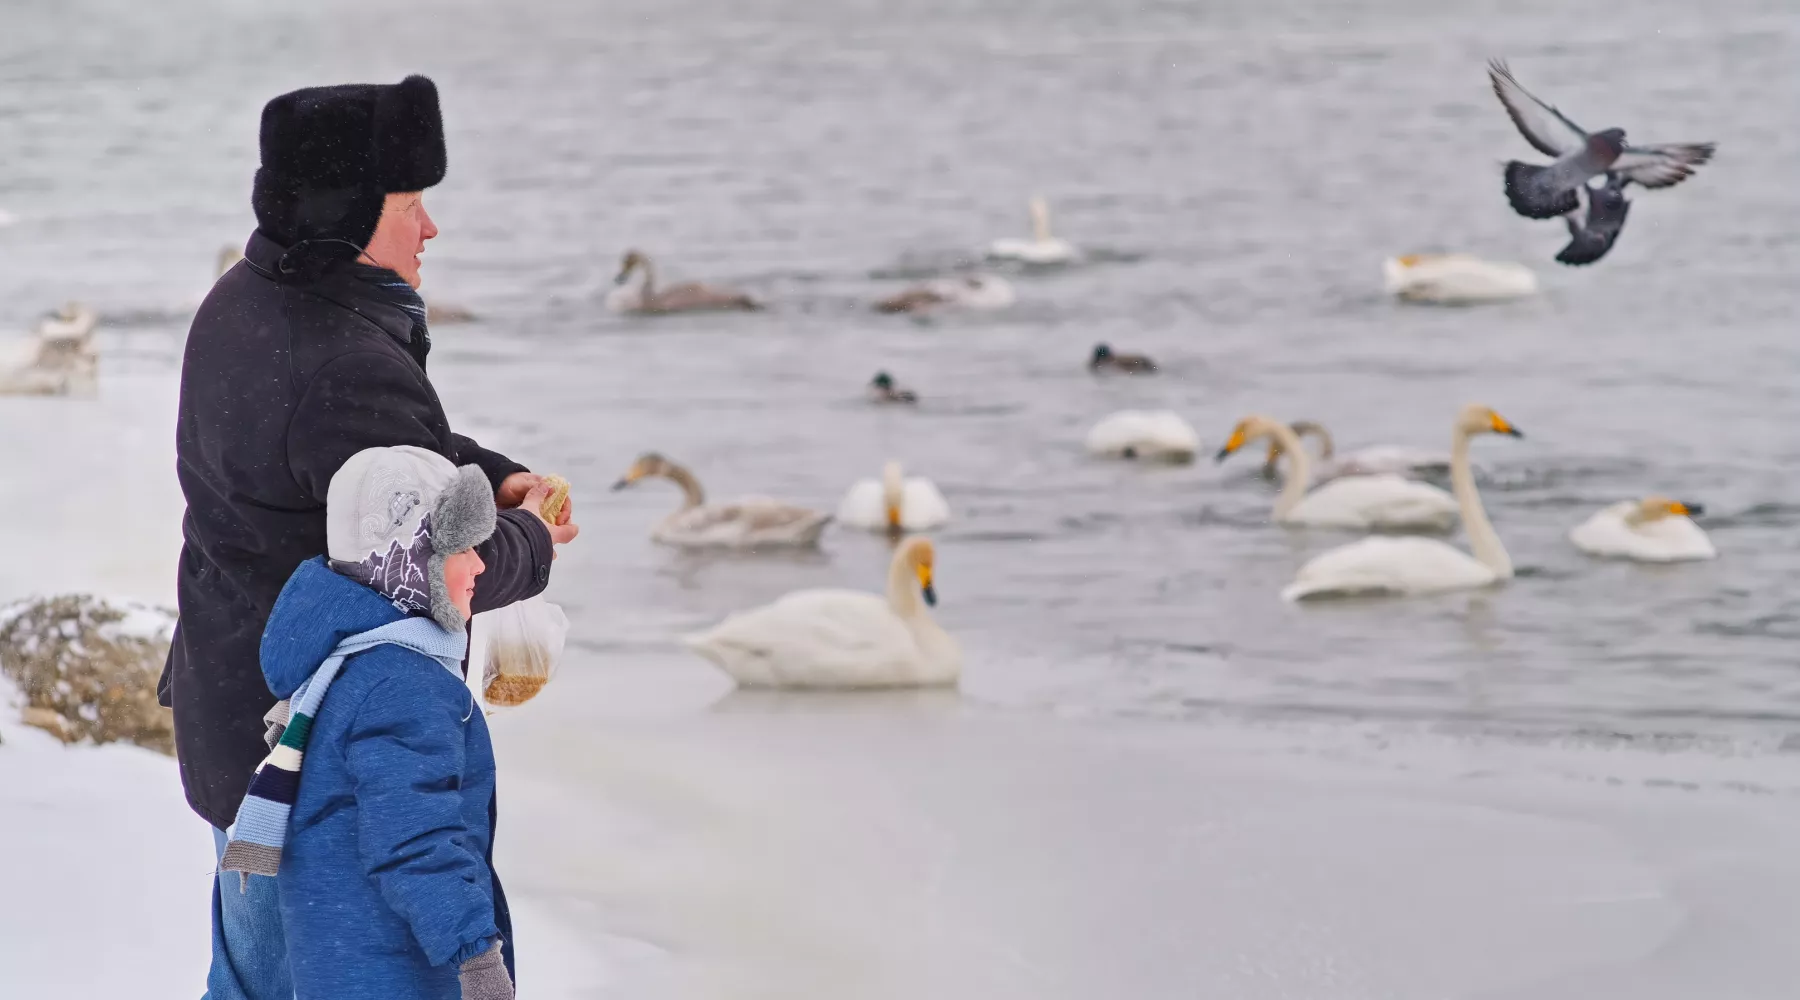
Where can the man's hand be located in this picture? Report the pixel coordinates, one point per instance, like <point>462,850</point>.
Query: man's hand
<point>516,487</point>
<point>533,503</point>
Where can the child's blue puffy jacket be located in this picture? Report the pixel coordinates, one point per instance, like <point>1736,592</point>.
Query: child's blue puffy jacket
<point>386,880</point>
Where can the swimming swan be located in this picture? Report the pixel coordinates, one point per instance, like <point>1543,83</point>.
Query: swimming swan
<point>894,503</point>
<point>1398,459</point>
<point>841,638</point>
<point>1383,501</point>
<point>59,360</point>
<point>750,523</point>
<point>1159,435</point>
<point>1041,248</point>
<point>643,297</point>
<point>1456,279</point>
<point>1413,565</point>
<point>1654,529</point>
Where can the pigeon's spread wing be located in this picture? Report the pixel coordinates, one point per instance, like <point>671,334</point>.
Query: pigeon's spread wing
<point>1662,166</point>
<point>1542,125</point>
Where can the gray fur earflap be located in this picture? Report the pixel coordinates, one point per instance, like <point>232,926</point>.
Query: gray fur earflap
<point>462,517</point>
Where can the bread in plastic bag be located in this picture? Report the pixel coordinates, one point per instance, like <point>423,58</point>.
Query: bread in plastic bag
<point>520,646</point>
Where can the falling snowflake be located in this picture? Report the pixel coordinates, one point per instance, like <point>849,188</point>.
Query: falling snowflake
<point>399,573</point>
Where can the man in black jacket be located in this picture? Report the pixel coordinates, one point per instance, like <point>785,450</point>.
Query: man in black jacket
<point>305,353</point>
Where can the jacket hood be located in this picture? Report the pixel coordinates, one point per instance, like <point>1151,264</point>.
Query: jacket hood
<point>318,609</point>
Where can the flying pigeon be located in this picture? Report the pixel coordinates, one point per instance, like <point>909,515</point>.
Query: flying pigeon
<point>1545,192</point>
<point>1590,237</point>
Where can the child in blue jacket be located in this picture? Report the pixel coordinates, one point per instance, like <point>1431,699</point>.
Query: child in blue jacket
<point>375,809</point>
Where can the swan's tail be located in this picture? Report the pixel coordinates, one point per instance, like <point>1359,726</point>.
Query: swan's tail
<point>1533,195</point>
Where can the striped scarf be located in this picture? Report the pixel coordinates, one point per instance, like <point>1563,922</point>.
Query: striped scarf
<point>255,840</point>
<point>390,286</point>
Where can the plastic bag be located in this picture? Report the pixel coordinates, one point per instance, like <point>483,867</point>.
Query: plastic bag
<point>520,646</point>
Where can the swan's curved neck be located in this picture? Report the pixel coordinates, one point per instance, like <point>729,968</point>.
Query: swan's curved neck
<point>903,590</point>
<point>1299,477</point>
<point>1483,542</point>
<point>1040,221</point>
<point>693,495</point>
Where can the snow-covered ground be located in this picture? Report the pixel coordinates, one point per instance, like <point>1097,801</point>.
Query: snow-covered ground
<point>662,836</point>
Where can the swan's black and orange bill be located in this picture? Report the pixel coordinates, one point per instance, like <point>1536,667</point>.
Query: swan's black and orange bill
<point>1502,426</point>
<point>1232,443</point>
<point>1686,508</point>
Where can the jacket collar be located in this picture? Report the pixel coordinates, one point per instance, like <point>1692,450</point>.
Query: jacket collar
<point>337,285</point>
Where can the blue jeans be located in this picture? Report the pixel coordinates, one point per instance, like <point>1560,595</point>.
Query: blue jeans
<point>249,948</point>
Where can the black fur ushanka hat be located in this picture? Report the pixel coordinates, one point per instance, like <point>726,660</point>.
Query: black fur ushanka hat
<point>331,155</point>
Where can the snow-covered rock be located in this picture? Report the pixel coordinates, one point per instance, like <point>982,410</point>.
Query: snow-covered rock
<point>85,669</point>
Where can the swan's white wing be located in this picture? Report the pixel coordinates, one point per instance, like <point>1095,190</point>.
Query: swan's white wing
<point>1542,125</point>
<point>863,506</point>
<point>1144,433</point>
<point>922,506</point>
<point>1668,539</point>
<point>1388,566</point>
<point>751,522</point>
<point>1379,501</point>
<point>815,638</point>
<point>1459,278</point>
<point>1030,251</point>
<point>1662,166</point>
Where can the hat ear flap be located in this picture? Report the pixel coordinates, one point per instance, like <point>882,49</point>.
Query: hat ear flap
<point>462,517</point>
<point>409,135</point>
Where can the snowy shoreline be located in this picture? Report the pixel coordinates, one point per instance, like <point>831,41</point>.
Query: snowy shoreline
<point>907,846</point>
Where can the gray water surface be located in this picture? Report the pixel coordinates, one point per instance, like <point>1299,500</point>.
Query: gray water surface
<point>1243,168</point>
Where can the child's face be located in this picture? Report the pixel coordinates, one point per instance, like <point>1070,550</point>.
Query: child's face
<point>460,571</point>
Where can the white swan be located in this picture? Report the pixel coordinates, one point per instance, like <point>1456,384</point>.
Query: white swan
<point>973,291</point>
<point>894,503</point>
<point>841,638</point>
<point>1041,248</point>
<point>1159,435</point>
<point>60,360</point>
<point>1379,501</point>
<point>1654,529</point>
<point>634,291</point>
<point>1456,279</point>
<point>1395,459</point>
<point>1412,565</point>
<point>749,523</point>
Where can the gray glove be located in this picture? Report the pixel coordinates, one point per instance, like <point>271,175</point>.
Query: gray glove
<point>484,976</point>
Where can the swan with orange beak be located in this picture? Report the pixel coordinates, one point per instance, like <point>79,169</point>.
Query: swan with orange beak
<point>1654,529</point>
<point>895,503</point>
<point>824,639</point>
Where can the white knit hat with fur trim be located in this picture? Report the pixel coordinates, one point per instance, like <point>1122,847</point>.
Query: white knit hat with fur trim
<point>392,515</point>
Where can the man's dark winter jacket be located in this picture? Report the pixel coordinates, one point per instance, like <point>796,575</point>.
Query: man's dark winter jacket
<point>280,384</point>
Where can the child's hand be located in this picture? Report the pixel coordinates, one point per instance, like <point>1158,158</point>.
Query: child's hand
<point>484,976</point>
